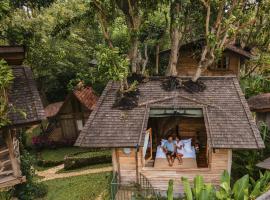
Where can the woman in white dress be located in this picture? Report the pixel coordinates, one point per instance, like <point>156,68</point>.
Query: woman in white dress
<point>179,146</point>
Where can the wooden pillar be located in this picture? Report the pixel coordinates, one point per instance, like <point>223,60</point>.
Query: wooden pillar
<point>114,161</point>
<point>14,160</point>
<point>229,161</point>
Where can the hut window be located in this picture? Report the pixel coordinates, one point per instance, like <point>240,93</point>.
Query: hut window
<point>223,63</point>
<point>79,124</point>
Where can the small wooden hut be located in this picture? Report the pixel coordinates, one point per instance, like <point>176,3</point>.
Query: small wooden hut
<point>260,104</point>
<point>23,97</point>
<point>66,119</point>
<point>217,120</point>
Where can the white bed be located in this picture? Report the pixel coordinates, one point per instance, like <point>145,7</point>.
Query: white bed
<point>186,154</point>
<point>189,159</point>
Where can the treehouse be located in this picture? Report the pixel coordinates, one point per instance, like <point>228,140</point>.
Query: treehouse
<point>260,104</point>
<point>230,62</point>
<point>66,119</point>
<point>211,123</point>
<point>25,110</point>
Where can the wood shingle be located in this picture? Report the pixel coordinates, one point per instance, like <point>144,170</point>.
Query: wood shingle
<point>23,97</point>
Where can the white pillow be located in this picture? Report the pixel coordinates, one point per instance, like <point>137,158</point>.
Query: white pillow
<point>163,141</point>
<point>187,145</point>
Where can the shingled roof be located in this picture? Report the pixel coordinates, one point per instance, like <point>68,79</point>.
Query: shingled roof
<point>52,109</point>
<point>24,97</point>
<point>86,96</point>
<point>260,103</point>
<point>228,118</point>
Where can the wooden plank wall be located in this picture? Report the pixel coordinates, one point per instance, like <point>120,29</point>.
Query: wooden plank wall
<point>187,65</point>
<point>127,164</point>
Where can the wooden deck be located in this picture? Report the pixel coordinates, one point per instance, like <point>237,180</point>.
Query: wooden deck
<point>124,194</point>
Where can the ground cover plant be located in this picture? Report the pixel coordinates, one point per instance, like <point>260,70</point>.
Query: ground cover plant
<point>47,158</point>
<point>79,187</point>
<point>245,188</point>
<point>89,158</point>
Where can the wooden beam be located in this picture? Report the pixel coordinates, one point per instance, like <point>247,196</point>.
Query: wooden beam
<point>14,161</point>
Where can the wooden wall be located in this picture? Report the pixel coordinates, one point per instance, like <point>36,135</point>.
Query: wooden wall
<point>187,65</point>
<point>220,160</point>
<point>263,117</point>
<point>126,164</point>
<point>72,111</point>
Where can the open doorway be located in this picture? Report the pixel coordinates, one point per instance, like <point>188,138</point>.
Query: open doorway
<point>187,124</point>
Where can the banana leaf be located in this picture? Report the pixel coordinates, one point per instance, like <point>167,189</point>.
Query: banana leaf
<point>170,190</point>
<point>240,188</point>
<point>187,189</point>
<point>198,186</point>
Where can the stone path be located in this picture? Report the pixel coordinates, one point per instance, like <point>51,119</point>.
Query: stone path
<point>51,174</point>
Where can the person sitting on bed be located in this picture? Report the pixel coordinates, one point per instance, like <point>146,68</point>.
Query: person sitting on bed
<point>179,145</point>
<point>169,149</point>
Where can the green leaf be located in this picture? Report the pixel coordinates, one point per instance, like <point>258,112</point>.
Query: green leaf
<point>198,186</point>
<point>187,189</point>
<point>170,190</point>
<point>256,190</point>
<point>240,188</point>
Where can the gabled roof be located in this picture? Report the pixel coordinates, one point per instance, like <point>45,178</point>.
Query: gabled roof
<point>229,47</point>
<point>229,120</point>
<point>53,108</point>
<point>86,96</point>
<point>24,97</point>
<point>260,102</point>
<point>265,164</point>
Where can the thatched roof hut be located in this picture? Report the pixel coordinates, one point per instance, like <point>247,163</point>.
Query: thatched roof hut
<point>25,109</point>
<point>260,103</point>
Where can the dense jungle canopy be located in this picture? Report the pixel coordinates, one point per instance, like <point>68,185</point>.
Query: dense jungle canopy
<point>92,41</point>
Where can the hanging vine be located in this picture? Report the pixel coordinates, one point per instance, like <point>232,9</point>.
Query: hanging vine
<point>6,78</point>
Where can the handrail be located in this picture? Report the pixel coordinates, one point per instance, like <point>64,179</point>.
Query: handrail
<point>143,190</point>
<point>147,187</point>
<point>114,186</point>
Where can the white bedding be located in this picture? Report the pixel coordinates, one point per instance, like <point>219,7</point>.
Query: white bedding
<point>186,154</point>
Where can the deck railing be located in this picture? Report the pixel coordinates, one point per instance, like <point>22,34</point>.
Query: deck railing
<point>143,190</point>
<point>114,186</point>
<point>147,188</point>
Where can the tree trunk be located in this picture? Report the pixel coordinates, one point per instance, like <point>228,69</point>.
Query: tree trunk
<point>133,55</point>
<point>175,40</point>
<point>207,59</point>
<point>157,59</point>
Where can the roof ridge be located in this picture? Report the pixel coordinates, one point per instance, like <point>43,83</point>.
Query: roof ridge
<point>31,91</point>
<point>93,114</point>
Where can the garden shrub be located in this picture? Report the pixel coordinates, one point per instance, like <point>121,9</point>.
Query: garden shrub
<point>48,163</point>
<point>88,158</point>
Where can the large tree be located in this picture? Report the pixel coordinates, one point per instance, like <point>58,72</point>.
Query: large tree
<point>223,20</point>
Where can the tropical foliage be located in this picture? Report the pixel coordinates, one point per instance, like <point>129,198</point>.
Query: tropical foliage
<point>244,188</point>
<point>244,162</point>
<point>6,78</point>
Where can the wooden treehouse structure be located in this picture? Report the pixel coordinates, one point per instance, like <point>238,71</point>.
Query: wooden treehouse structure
<point>217,120</point>
<point>260,104</point>
<point>23,97</point>
<point>66,119</point>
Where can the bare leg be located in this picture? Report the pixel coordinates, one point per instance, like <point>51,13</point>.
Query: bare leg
<point>169,159</point>
<point>179,157</point>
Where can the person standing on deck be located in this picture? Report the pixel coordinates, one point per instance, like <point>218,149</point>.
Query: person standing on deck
<point>169,149</point>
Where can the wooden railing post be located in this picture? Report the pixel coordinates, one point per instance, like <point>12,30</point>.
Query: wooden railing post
<point>14,159</point>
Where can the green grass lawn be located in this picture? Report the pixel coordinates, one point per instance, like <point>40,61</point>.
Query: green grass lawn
<point>85,187</point>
